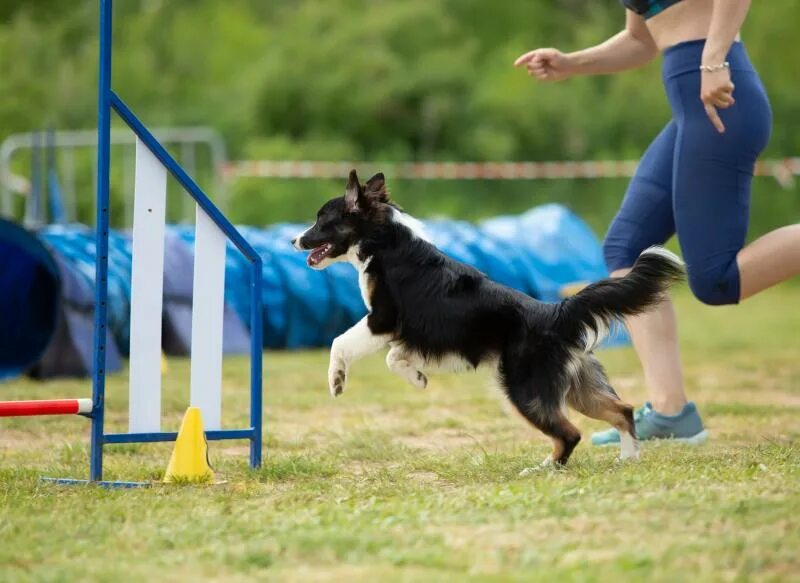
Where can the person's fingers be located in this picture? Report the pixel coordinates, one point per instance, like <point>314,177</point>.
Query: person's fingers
<point>723,96</point>
<point>523,59</point>
<point>720,99</point>
<point>537,68</point>
<point>543,76</point>
<point>721,103</point>
<point>711,111</point>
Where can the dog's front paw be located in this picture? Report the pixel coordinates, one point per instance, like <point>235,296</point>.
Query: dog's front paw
<point>337,377</point>
<point>418,379</point>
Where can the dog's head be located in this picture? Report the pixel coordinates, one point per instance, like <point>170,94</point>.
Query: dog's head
<point>343,221</point>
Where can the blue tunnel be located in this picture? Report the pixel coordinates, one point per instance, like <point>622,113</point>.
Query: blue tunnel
<point>47,310</point>
<point>47,285</point>
<point>29,298</point>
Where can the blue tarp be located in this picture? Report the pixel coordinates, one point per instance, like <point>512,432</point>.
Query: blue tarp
<point>178,282</point>
<point>75,244</point>
<point>539,253</point>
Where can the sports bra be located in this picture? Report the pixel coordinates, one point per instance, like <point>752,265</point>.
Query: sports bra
<point>648,8</point>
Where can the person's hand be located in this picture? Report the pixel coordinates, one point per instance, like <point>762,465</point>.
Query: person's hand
<point>716,91</point>
<point>546,64</point>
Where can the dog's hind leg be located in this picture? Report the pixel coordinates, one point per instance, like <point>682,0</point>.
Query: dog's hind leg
<point>554,424</point>
<point>536,387</point>
<point>402,363</point>
<point>549,418</point>
<point>591,394</point>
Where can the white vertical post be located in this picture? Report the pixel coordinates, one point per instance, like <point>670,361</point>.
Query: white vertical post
<point>207,310</point>
<point>147,285</point>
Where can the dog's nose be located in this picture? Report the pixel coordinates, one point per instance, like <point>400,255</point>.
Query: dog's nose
<point>294,241</point>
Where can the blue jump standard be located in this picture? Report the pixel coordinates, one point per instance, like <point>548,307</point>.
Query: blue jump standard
<point>157,437</point>
<point>103,484</point>
<point>108,101</point>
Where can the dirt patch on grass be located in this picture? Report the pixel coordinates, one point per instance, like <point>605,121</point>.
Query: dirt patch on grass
<point>19,440</point>
<point>438,440</point>
<point>423,477</point>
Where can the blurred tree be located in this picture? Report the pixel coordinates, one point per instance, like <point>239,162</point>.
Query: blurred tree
<point>378,79</point>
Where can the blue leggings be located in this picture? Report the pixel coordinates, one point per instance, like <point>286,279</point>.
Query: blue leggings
<point>694,181</point>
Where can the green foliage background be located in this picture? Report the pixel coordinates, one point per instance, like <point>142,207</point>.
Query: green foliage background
<point>375,80</point>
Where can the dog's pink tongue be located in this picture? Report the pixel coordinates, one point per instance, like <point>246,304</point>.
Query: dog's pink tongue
<point>316,255</point>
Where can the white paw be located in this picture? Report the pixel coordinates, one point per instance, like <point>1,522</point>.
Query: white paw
<point>404,369</point>
<point>546,464</point>
<point>337,378</point>
<point>628,447</point>
<point>417,379</point>
<point>629,456</point>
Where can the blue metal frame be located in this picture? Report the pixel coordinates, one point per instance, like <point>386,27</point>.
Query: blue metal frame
<point>216,435</point>
<point>114,485</point>
<point>108,100</point>
<point>51,178</point>
<point>101,242</point>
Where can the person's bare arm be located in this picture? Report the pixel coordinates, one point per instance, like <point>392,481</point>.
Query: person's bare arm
<point>630,48</point>
<point>716,88</point>
<point>726,20</point>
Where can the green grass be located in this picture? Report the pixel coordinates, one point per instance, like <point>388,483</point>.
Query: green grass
<point>390,483</point>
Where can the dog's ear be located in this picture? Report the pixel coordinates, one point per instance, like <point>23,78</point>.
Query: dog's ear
<point>352,192</point>
<point>375,189</point>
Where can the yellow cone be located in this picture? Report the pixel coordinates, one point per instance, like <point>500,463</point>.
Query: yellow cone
<point>189,461</point>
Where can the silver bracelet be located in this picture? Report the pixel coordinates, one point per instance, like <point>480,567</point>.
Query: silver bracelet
<point>715,68</point>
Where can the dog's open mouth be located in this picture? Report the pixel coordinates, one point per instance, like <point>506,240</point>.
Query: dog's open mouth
<point>318,254</point>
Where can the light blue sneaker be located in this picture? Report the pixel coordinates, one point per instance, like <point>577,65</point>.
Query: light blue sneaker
<point>685,427</point>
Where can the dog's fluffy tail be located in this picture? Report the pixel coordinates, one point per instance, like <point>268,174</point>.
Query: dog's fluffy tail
<point>587,316</point>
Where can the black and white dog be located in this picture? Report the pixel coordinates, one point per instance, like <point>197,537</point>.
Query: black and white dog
<point>434,311</point>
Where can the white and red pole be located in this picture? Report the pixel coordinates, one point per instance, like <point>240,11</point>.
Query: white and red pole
<point>49,407</point>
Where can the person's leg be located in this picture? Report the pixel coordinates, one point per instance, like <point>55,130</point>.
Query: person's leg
<point>770,259</point>
<point>655,339</point>
<point>712,185</point>
<point>646,218</point>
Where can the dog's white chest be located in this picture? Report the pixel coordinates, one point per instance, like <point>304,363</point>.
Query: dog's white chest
<point>364,280</point>
<point>365,287</point>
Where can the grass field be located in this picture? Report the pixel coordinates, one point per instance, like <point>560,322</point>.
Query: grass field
<point>390,483</point>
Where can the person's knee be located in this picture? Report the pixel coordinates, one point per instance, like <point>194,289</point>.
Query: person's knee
<point>715,287</point>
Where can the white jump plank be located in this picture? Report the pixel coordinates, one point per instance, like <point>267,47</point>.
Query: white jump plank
<point>207,311</point>
<point>147,284</point>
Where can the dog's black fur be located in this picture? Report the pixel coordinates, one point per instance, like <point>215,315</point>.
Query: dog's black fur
<point>431,308</point>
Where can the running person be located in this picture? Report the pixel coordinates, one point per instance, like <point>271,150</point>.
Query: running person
<point>693,180</point>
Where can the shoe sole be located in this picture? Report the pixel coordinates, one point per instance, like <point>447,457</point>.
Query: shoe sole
<point>697,439</point>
